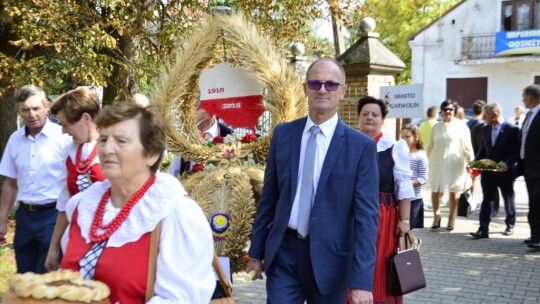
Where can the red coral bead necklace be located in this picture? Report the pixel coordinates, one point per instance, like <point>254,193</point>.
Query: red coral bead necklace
<point>82,167</point>
<point>111,227</point>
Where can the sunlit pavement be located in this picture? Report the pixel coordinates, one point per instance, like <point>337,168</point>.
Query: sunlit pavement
<point>459,269</point>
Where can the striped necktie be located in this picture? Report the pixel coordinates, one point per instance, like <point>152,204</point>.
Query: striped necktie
<point>524,130</point>
<point>306,190</point>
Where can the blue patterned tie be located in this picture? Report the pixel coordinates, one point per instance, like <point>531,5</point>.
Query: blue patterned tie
<point>493,135</point>
<point>306,189</point>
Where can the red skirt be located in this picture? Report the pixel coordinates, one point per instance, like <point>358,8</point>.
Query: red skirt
<point>386,246</point>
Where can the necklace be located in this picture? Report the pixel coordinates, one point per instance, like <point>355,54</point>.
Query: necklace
<point>82,167</point>
<point>379,136</point>
<point>111,227</point>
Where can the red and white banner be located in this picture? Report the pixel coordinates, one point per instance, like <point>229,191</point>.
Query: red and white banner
<point>233,94</point>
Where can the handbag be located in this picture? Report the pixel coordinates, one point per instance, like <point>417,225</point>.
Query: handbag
<point>466,203</point>
<point>228,299</point>
<point>404,270</point>
<point>151,278</point>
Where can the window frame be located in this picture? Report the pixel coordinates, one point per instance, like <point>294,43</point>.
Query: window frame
<point>515,4</point>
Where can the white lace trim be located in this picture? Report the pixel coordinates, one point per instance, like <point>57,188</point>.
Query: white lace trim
<point>158,202</point>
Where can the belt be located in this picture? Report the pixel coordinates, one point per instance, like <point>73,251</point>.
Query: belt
<point>35,207</point>
<point>294,233</point>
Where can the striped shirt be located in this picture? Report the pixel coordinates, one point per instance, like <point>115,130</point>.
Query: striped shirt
<point>419,166</point>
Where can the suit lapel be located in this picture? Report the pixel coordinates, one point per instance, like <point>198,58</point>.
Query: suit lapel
<point>336,144</point>
<point>501,133</point>
<point>296,144</point>
<point>487,134</point>
<point>534,122</point>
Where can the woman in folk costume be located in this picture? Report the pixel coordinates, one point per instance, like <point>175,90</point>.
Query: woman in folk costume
<point>113,221</point>
<point>76,111</point>
<point>395,189</point>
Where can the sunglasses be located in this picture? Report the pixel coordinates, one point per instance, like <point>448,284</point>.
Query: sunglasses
<point>448,109</point>
<point>328,85</point>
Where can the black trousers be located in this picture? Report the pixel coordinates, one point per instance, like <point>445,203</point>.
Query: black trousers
<point>533,188</point>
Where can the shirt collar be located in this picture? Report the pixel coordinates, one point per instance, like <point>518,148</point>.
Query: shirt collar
<point>46,130</point>
<point>327,128</point>
<point>214,129</point>
<point>535,109</point>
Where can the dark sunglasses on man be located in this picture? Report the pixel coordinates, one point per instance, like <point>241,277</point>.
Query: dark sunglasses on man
<point>328,85</point>
<point>447,109</point>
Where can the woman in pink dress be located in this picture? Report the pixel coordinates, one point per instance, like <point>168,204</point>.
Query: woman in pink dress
<point>111,223</point>
<point>76,111</point>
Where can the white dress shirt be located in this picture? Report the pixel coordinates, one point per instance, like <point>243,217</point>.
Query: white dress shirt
<point>37,163</point>
<point>402,169</point>
<point>512,120</point>
<point>323,142</point>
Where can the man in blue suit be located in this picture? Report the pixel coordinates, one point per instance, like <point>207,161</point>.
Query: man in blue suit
<point>338,250</point>
<point>500,143</point>
<point>530,160</point>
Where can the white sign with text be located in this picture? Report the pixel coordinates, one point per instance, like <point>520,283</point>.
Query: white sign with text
<point>403,101</point>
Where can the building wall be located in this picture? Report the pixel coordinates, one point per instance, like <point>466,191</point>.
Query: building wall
<point>437,50</point>
<point>358,87</point>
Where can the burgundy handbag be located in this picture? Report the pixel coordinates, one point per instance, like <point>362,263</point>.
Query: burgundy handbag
<point>404,270</point>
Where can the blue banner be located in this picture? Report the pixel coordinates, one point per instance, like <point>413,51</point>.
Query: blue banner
<point>517,42</point>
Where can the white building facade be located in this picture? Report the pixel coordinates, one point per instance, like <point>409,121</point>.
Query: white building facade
<point>454,57</point>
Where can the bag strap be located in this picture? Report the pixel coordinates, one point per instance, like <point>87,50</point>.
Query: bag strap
<point>221,276</point>
<point>152,260</point>
<point>465,183</point>
<point>407,240</point>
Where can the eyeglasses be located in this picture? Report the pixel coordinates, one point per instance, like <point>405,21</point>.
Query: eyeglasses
<point>328,85</point>
<point>448,109</point>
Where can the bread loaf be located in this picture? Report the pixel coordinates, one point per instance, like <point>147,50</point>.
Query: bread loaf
<point>64,286</point>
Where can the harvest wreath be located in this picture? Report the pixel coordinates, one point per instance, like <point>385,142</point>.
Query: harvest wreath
<point>229,193</point>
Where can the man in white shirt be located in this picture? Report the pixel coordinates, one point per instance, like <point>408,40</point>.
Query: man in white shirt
<point>209,128</point>
<point>518,117</point>
<point>34,166</point>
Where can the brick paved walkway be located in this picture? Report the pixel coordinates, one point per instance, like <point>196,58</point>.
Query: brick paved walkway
<point>458,269</point>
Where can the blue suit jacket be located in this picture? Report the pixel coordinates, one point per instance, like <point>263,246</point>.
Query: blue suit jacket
<point>506,148</point>
<point>344,218</point>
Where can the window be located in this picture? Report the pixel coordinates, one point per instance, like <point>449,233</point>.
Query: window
<point>520,15</point>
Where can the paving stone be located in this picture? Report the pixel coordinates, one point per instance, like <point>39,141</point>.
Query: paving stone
<point>458,269</point>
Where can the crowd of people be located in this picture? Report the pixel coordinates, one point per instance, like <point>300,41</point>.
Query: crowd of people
<point>335,201</point>
<point>91,199</point>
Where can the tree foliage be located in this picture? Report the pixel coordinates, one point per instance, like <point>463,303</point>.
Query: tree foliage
<point>397,21</point>
<point>60,44</point>
<point>288,21</point>
<point>121,44</point>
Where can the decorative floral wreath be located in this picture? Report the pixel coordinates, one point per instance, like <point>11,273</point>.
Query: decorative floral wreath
<point>235,185</point>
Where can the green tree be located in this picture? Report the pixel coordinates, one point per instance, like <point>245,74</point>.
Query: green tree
<point>397,21</point>
<point>61,44</point>
<point>120,44</point>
